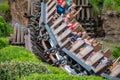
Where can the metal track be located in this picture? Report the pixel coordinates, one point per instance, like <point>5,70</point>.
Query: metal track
<point>54,48</point>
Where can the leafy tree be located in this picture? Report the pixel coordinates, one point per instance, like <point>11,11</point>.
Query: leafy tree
<point>4,7</point>
<point>116,51</point>
<point>109,5</point>
<point>100,5</point>
<point>3,42</point>
<point>5,28</point>
<point>97,6</point>
<point>5,11</point>
<point>117,5</point>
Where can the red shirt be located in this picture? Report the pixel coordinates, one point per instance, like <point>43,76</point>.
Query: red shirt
<point>59,2</point>
<point>72,26</point>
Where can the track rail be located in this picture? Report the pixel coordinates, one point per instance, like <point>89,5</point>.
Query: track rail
<point>49,41</point>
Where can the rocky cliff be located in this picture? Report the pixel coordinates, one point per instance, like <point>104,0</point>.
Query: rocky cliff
<point>111,25</point>
<point>18,8</point>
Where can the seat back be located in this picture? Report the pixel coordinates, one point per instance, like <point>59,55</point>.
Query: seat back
<point>107,53</point>
<point>115,71</point>
<point>67,41</point>
<point>95,58</point>
<point>97,47</point>
<point>64,35</point>
<point>60,28</point>
<point>48,2</point>
<point>52,4</point>
<point>77,45</point>
<point>100,68</point>
<point>57,22</point>
<point>51,12</point>
<point>86,51</point>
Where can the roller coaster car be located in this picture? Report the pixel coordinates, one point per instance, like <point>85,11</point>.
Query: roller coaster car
<point>76,45</point>
<point>57,22</point>
<point>115,71</point>
<point>94,59</point>
<point>60,28</point>
<point>108,54</point>
<point>52,11</point>
<point>88,58</point>
<point>48,2</point>
<point>103,66</point>
<point>115,68</point>
<point>49,7</point>
<point>97,46</point>
<point>85,52</point>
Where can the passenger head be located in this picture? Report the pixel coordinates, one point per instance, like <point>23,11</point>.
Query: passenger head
<point>67,11</point>
<point>84,34</point>
<point>73,5</point>
<point>79,34</point>
<point>72,12</point>
<point>67,16</point>
<point>91,40</point>
<point>64,3</point>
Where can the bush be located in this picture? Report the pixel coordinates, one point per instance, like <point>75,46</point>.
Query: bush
<point>55,70</point>
<point>4,7</point>
<point>109,4</point>
<point>59,77</point>
<point>13,70</point>
<point>117,5</point>
<point>5,28</point>
<point>100,5</point>
<point>16,53</point>
<point>5,11</point>
<point>116,51</point>
<point>96,6</point>
<point>3,42</point>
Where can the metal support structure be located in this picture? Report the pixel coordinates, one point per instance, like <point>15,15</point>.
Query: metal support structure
<point>109,77</point>
<point>43,22</point>
<point>55,42</point>
<point>78,60</point>
<point>55,50</point>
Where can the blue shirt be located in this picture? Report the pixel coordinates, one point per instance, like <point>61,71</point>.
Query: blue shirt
<point>60,10</point>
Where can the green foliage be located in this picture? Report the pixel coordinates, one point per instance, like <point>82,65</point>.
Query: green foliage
<point>5,11</point>
<point>96,7</point>
<point>15,53</point>
<point>109,4</point>
<point>4,42</point>
<point>2,20</point>
<point>117,2</point>
<point>59,77</point>
<point>4,7</point>
<point>114,47</point>
<point>100,5</point>
<point>116,51</point>
<point>55,70</point>
<point>13,70</point>
<point>5,28</point>
<point>117,5</point>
